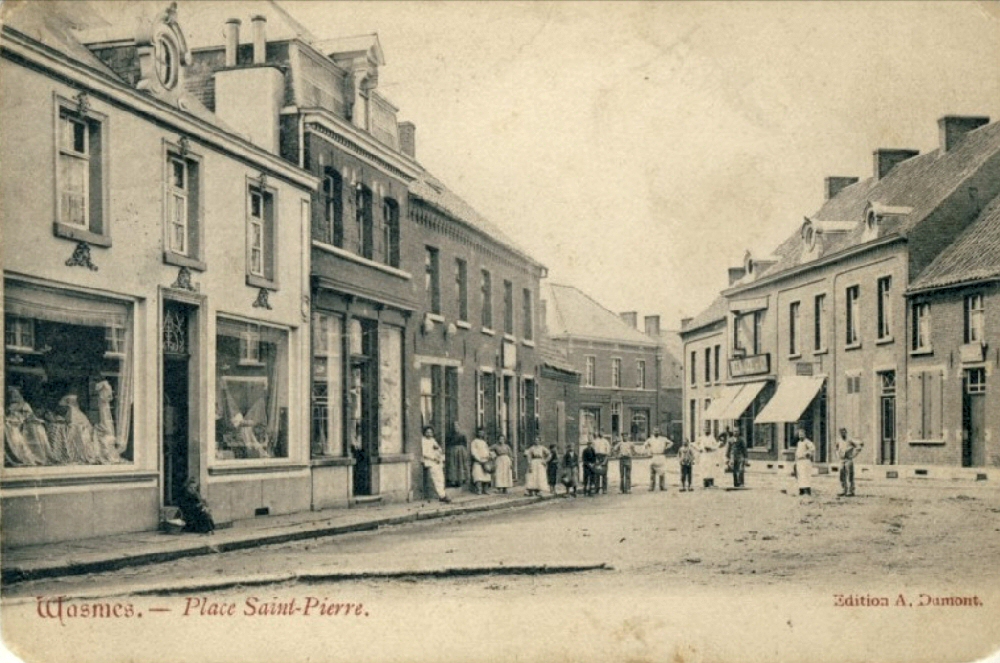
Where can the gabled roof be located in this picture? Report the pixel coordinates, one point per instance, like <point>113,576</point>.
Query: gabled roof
<point>973,256</point>
<point>570,312</point>
<point>716,311</point>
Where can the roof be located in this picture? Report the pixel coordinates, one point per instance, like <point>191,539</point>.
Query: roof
<point>570,312</point>
<point>973,256</point>
<point>716,311</point>
<point>911,191</point>
<point>553,357</point>
<point>431,190</point>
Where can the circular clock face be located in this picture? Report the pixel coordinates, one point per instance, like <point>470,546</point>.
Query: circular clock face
<point>166,62</point>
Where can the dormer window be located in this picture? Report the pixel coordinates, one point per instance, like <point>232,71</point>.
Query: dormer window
<point>166,55</point>
<point>871,225</point>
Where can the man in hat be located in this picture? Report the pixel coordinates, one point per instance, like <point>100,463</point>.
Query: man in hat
<point>847,448</point>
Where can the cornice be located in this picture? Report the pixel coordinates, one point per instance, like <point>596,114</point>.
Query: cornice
<point>327,125</point>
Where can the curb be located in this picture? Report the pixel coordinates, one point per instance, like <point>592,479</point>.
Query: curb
<point>290,533</point>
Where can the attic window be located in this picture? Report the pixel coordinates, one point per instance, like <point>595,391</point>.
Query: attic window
<point>166,55</point>
<point>871,225</point>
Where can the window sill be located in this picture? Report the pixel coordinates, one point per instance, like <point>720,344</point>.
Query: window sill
<point>885,341</point>
<point>853,346</point>
<point>80,235</point>
<point>821,351</point>
<point>254,466</point>
<point>921,352</point>
<point>797,355</point>
<point>928,443</point>
<point>488,331</point>
<point>435,317</point>
<point>509,337</point>
<point>178,260</point>
<point>528,342</point>
<point>260,282</point>
<point>347,255</point>
<point>462,324</point>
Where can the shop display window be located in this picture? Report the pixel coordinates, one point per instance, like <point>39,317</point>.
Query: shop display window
<point>327,436</point>
<point>252,391</point>
<point>68,373</point>
<point>390,390</point>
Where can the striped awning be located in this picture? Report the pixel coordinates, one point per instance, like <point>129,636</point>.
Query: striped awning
<point>795,393</point>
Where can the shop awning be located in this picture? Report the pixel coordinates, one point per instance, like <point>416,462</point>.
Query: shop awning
<point>742,401</point>
<point>718,406</point>
<point>795,393</point>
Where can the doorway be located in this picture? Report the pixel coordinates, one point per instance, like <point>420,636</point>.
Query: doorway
<point>974,417</point>
<point>178,393</point>
<point>887,418</point>
<point>364,402</point>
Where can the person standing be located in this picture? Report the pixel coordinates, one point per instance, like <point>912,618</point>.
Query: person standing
<point>552,469</point>
<point>569,470</point>
<point>457,464</point>
<point>805,451</point>
<point>625,451</point>
<point>848,449</point>
<point>707,447</point>
<point>658,471</point>
<point>686,458</point>
<point>433,458</point>
<point>480,452</point>
<point>538,458</point>
<point>602,447</point>
<point>657,444</point>
<point>589,475</point>
<point>736,453</point>
<point>503,467</point>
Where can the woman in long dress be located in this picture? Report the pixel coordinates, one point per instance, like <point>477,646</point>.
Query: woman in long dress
<point>457,463</point>
<point>104,431</point>
<point>805,451</point>
<point>503,468</point>
<point>538,459</point>
<point>17,451</point>
<point>80,442</point>
<point>480,452</point>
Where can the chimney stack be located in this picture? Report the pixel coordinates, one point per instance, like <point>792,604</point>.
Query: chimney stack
<point>953,128</point>
<point>835,185</point>
<point>736,273</point>
<point>259,38</point>
<point>631,318</point>
<point>232,41</point>
<point>408,139</point>
<point>652,323</point>
<point>886,159</point>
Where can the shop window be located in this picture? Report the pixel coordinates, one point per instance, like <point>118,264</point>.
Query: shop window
<point>261,238</point>
<point>974,318</point>
<point>327,428</point>
<point>68,372</point>
<point>80,174</point>
<point>390,394</point>
<point>252,391</point>
<point>183,211</point>
<point>462,288</point>
<point>487,296</point>
<point>333,208</point>
<point>390,232</point>
<point>432,280</point>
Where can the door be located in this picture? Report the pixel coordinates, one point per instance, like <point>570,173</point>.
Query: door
<point>974,418</point>
<point>177,408</point>
<point>887,418</point>
<point>364,404</point>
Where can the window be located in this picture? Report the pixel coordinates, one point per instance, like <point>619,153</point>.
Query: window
<point>508,307</point>
<point>527,315</point>
<point>694,367</point>
<point>333,208</point>
<point>390,232</point>
<point>183,211</point>
<point>640,374</point>
<point>68,369</point>
<point>793,329</point>
<point>616,373</point>
<point>432,283</point>
<point>737,337</point>
<point>974,319</point>
<point>975,380</point>
<point>708,365</point>
<point>80,175</point>
<point>591,375</point>
<point>365,221</point>
<point>260,238</point>
<point>327,433</point>
<point>921,327</point>
<point>758,331</point>
<point>252,391</point>
<point>487,295</point>
<point>390,389</point>
<point>819,318</point>
<point>926,398</point>
<point>851,330</point>
<point>462,288</point>
<point>884,308</point>
<point>718,359</point>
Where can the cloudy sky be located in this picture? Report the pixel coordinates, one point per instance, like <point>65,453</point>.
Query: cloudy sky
<point>639,149</point>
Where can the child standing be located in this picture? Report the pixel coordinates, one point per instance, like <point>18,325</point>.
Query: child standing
<point>685,455</point>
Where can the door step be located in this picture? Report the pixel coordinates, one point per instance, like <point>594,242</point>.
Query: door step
<point>367,500</point>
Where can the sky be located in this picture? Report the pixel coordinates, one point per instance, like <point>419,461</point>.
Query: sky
<point>639,149</point>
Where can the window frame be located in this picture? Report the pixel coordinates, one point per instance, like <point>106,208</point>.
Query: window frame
<point>718,362</point>
<point>462,288</point>
<point>921,327</point>
<point>694,368</point>
<point>390,232</point>
<point>590,371</point>
<point>527,315</point>
<point>640,373</point>
<point>269,255</point>
<point>508,307</point>
<point>794,328</point>
<point>486,293</point>
<point>364,215</point>
<point>979,313</point>
<point>333,207</point>
<point>194,257</point>
<point>616,372</point>
<point>852,299</point>
<point>708,365</point>
<point>884,319</point>
<point>97,230</point>
<point>432,278</point>
<point>819,317</point>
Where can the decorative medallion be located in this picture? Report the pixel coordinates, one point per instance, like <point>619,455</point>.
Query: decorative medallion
<point>183,146</point>
<point>263,180</point>
<point>261,301</point>
<point>183,281</point>
<point>81,257</point>
<point>82,104</point>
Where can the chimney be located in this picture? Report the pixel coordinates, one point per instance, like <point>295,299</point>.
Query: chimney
<point>652,323</point>
<point>835,185</point>
<point>232,41</point>
<point>631,318</point>
<point>736,273</point>
<point>953,128</point>
<point>259,38</point>
<point>408,139</point>
<point>886,159</point>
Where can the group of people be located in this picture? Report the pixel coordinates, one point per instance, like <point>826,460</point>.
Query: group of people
<point>478,464</point>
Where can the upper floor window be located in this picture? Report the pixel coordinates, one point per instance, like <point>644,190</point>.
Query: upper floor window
<point>708,365</point>
<point>616,373</point>
<point>261,237</point>
<point>748,332</point>
<point>333,208</point>
<point>487,296</point>
<point>365,221</point>
<point>884,308</point>
<point>819,320</point>
<point>390,232</point>
<point>590,377</point>
<point>183,210</point>
<point>508,307</point>
<point>527,315</point>
<point>974,320</point>
<point>718,359</point>
<point>694,367</point>
<point>432,281</point>
<point>640,374</point>
<point>758,331</point>
<point>793,328</point>
<point>921,327</point>
<point>80,176</point>
<point>462,288</point>
<point>852,295</point>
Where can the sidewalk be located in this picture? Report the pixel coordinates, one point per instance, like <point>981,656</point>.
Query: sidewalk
<point>114,552</point>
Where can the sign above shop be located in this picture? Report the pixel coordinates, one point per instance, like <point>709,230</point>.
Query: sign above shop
<point>750,365</point>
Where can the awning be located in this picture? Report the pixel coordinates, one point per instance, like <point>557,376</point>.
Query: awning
<point>738,406</point>
<point>718,406</point>
<point>795,393</point>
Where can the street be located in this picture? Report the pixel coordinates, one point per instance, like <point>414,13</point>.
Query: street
<point>775,559</point>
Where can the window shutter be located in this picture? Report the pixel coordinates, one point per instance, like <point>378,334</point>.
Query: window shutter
<point>915,407</point>
<point>933,402</point>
